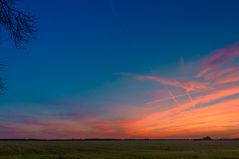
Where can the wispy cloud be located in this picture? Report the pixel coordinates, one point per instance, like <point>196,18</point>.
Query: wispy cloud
<point>219,58</point>
<point>187,85</point>
<point>205,103</point>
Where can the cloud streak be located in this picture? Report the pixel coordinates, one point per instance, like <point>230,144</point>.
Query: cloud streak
<point>187,85</point>
<point>205,103</point>
<point>219,58</point>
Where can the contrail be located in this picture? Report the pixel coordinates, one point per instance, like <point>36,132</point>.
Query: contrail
<point>189,96</point>
<point>176,96</point>
<point>165,99</point>
<point>173,97</point>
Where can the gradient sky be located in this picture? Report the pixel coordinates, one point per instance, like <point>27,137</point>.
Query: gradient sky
<point>124,69</point>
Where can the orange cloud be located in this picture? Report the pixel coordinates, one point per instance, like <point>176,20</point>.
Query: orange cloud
<point>206,104</point>
<point>220,117</point>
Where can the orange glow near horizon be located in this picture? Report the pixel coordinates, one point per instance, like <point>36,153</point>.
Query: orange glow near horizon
<point>208,104</point>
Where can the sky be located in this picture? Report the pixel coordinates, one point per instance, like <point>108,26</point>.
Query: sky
<point>124,69</point>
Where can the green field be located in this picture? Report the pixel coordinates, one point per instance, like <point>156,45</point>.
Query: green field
<point>143,149</point>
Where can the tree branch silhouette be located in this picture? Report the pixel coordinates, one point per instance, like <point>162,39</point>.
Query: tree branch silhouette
<point>19,25</point>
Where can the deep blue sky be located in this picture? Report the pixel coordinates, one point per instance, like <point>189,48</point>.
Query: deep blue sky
<point>83,44</point>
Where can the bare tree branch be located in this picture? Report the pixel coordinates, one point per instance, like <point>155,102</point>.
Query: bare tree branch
<point>20,26</point>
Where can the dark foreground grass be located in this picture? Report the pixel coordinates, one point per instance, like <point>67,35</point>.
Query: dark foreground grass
<point>144,149</point>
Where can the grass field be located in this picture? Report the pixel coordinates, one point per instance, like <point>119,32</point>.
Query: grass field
<point>144,149</point>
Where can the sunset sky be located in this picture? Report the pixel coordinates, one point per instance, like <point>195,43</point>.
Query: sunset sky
<point>124,69</point>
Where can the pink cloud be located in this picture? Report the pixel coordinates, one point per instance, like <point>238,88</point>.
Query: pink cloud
<point>223,76</point>
<point>213,76</point>
<point>219,58</point>
<point>187,85</point>
<point>205,105</point>
<point>160,123</point>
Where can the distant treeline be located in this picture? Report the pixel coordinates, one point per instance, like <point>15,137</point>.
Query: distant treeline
<point>115,139</point>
